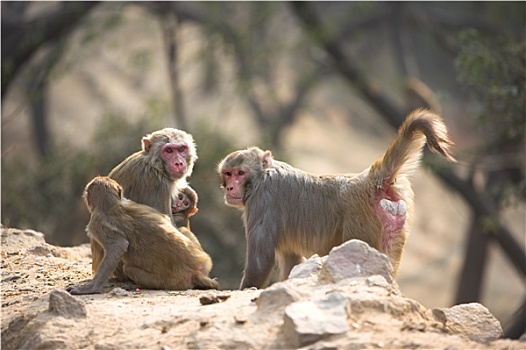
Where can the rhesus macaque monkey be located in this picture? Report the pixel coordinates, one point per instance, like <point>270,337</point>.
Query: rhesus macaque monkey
<point>153,252</point>
<point>151,175</point>
<point>292,214</point>
<point>184,206</point>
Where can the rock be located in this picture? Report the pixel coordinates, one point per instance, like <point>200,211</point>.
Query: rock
<point>119,292</point>
<point>61,303</point>
<point>44,250</point>
<point>213,298</point>
<point>309,268</point>
<point>306,322</point>
<point>355,258</point>
<point>277,296</point>
<point>473,321</point>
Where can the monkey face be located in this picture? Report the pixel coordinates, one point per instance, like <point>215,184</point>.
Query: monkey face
<point>239,169</point>
<point>234,181</point>
<point>180,203</point>
<point>174,156</point>
<point>174,148</point>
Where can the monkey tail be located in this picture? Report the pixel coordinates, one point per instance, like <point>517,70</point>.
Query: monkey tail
<point>404,154</point>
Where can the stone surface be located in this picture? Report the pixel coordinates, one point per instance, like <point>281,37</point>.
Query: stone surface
<point>473,321</point>
<point>308,321</point>
<point>309,268</point>
<point>355,258</point>
<point>61,303</point>
<point>277,297</point>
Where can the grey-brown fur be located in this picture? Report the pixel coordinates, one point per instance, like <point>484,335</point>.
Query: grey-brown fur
<point>290,214</point>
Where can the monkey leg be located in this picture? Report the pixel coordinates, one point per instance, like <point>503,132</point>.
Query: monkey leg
<point>151,280</point>
<point>113,253</point>
<point>287,263</point>
<point>204,282</point>
<point>119,272</point>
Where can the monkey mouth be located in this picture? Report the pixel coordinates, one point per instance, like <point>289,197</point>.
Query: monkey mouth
<point>233,200</point>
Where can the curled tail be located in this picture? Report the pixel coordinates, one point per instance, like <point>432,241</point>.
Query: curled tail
<point>404,154</point>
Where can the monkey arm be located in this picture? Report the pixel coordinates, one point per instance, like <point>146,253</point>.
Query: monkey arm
<point>113,253</point>
<point>260,258</point>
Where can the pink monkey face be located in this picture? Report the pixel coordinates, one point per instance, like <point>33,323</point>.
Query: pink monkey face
<point>234,181</point>
<point>174,156</point>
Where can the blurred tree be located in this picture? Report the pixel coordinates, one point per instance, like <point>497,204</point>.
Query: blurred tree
<point>493,70</point>
<point>252,34</point>
<point>22,36</point>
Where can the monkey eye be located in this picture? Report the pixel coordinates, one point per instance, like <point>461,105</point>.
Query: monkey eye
<point>241,172</point>
<point>185,202</point>
<point>168,150</point>
<point>228,173</point>
<point>180,196</point>
<point>181,149</point>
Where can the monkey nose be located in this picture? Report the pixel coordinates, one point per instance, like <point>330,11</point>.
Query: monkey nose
<point>179,167</point>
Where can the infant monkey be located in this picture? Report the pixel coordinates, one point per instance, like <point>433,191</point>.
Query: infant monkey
<point>153,252</point>
<point>184,206</point>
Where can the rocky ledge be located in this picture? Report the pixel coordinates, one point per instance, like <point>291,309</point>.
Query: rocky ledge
<point>347,299</point>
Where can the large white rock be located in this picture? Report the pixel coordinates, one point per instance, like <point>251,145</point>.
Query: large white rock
<point>355,258</point>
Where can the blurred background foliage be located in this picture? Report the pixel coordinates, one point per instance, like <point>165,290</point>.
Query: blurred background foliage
<point>82,82</point>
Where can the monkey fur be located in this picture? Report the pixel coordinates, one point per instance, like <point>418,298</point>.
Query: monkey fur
<point>153,252</point>
<point>151,175</point>
<point>184,206</point>
<point>291,214</point>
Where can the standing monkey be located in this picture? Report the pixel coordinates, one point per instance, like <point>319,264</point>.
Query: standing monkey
<point>153,252</point>
<point>151,175</point>
<point>291,213</point>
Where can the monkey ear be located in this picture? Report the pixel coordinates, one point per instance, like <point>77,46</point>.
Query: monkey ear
<point>146,144</point>
<point>193,211</point>
<point>267,160</point>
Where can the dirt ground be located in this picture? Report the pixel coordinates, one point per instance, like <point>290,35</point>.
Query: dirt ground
<point>125,317</point>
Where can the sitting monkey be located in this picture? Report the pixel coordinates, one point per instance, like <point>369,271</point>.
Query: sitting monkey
<point>153,252</point>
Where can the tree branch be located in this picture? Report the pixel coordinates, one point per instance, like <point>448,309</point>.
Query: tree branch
<point>21,39</point>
